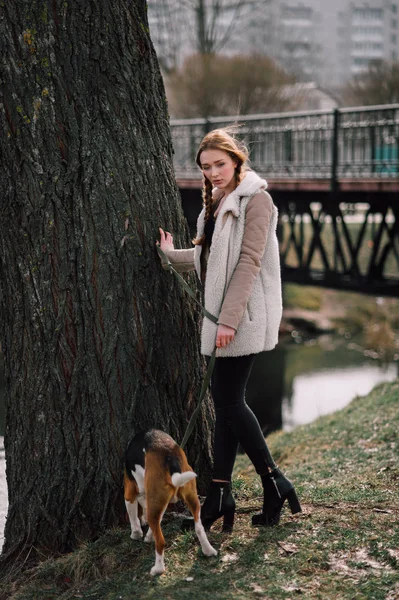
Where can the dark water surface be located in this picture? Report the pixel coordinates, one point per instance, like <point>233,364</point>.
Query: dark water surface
<point>298,382</point>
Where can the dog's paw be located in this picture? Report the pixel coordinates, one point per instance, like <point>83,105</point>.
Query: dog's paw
<point>149,537</point>
<point>137,534</point>
<point>157,570</point>
<point>210,551</point>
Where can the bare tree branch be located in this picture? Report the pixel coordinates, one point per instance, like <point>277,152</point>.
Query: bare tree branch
<point>208,18</point>
<point>379,84</point>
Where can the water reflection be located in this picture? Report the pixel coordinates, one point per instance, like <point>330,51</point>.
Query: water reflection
<point>295,383</point>
<point>330,390</point>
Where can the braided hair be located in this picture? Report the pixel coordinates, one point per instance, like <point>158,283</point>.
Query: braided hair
<point>220,139</point>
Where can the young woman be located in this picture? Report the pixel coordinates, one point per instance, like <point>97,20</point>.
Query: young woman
<point>236,257</point>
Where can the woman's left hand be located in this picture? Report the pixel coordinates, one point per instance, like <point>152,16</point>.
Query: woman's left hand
<point>224,336</point>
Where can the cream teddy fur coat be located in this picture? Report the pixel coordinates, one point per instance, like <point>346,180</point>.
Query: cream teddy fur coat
<point>259,325</point>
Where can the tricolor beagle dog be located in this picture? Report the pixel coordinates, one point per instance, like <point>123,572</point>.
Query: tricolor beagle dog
<point>157,473</point>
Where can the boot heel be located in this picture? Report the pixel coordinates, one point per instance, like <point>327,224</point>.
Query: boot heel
<point>218,503</point>
<point>228,520</point>
<point>293,502</point>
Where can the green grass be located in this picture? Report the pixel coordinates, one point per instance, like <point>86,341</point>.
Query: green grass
<point>344,545</point>
<point>302,297</point>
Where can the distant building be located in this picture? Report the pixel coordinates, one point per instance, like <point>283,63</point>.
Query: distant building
<point>326,41</point>
<point>308,96</point>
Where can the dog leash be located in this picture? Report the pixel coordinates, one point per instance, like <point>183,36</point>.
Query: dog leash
<point>208,374</point>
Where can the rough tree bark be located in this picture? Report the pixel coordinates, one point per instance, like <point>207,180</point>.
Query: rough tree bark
<point>98,340</point>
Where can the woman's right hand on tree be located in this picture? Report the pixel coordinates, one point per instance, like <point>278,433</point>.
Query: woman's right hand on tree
<point>166,241</point>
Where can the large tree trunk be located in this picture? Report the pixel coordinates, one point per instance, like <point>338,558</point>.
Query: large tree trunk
<point>98,340</point>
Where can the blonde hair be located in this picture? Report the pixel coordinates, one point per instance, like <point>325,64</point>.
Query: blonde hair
<point>221,139</point>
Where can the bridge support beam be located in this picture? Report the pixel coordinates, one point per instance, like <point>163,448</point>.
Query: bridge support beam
<point>343,239</point>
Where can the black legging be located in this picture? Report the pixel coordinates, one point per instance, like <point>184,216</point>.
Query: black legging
<point>235,422</point>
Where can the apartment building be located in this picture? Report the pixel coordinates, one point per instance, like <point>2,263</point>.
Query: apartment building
<point>326,41</point>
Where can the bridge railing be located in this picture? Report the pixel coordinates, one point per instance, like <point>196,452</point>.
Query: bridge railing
<point>345,143</point>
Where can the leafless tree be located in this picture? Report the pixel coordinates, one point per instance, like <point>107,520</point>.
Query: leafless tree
<point>226,85</point>
<point>168,31</point>
<point>379,84</point>
<point>201,26</point>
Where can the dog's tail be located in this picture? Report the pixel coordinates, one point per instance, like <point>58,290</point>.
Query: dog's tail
<point>179,479</point>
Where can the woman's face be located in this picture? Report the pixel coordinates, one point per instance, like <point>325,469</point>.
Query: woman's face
<point>219,168</point>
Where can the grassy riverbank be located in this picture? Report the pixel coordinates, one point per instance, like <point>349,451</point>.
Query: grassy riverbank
<point>349,309</point>
<point>344,544</point>
<point>313,311</point>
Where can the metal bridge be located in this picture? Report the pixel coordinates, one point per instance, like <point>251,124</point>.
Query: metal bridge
<point>334,177</point>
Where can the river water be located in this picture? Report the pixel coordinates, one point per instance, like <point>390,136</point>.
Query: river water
<point>290,386</point>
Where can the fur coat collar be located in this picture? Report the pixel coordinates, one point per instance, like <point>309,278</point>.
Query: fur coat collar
<point>251,184</point>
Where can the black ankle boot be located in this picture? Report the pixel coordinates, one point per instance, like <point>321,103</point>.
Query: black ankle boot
<point>276,490</point>
<point>219,503</point>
